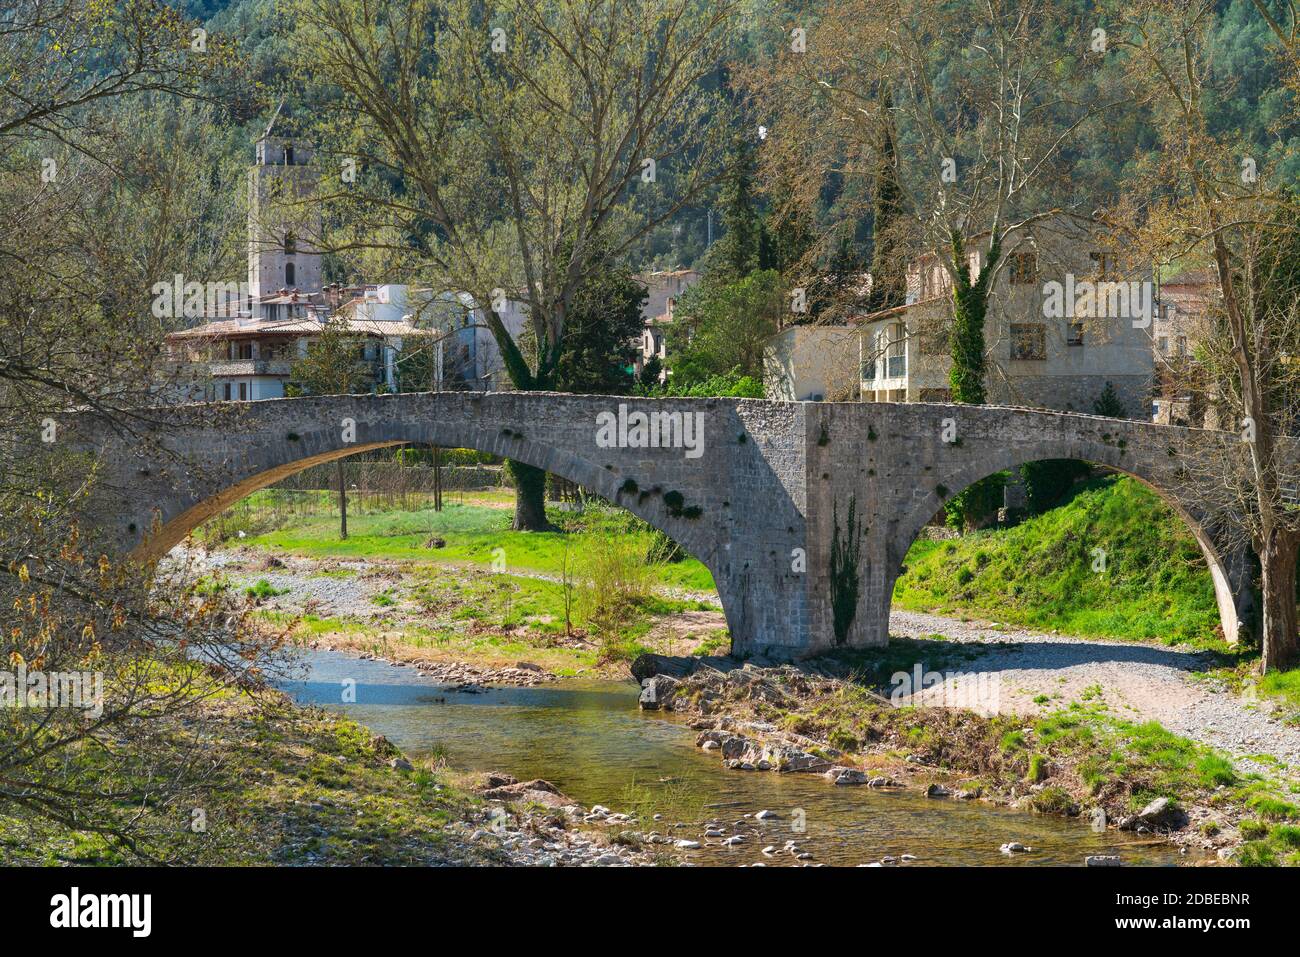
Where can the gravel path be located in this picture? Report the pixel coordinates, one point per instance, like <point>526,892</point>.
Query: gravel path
<point>1137,681</point>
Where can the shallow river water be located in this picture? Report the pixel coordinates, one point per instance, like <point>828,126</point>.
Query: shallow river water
<point>593,742</point>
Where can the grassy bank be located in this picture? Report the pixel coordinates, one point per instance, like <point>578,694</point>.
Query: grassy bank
<point>286,786</point>
<point>1111,561</point>
<point>470,534</point>
<point>460,585</point>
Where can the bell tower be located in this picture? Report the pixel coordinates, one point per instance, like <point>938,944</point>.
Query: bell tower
<point>284,218</point>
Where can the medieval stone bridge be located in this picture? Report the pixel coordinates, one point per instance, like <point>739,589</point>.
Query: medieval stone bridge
<point>760,492</point>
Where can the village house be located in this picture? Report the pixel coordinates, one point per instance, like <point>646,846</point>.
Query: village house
<point>663,290</point>
<point>1062,324</point>
<point>1187,300</point>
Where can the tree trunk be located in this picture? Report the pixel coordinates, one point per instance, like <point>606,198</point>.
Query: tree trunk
<point>1277,562</point>
<point>343,501</point>
<point>530,497</point>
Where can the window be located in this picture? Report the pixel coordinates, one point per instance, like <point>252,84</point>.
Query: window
<point>1075,336</point>
<point>1028,340</point>
<point>866,361</point>
<point>288,156</point>
<point>288,274</point>
<point>243,392</point>
<point>1024,268</point>
<point>226,390</point>
<point>897,352</point>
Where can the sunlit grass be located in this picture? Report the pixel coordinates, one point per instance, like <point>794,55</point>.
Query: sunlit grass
<point>1041,574</point>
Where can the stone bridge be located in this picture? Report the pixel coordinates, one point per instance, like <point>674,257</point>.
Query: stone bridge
<point>760,492</point>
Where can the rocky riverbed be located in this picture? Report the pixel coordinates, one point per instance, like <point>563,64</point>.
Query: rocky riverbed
<point>783,719</point>
<point>532,824</point>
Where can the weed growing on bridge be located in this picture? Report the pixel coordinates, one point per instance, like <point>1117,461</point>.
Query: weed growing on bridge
<point>846,549</point>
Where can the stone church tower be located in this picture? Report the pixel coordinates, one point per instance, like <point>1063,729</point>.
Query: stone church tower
<point>283,218</point>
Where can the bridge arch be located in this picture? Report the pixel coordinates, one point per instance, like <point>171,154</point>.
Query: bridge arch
<point>1228,572</point>
<point>293,453</point>
<point>762,501</point>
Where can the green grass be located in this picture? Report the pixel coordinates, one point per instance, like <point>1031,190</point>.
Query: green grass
<point>1142,759</point>
<point>281,786</point>
<point>264,589</point>
<point>1040,573</point>
<point>473,533</point>
<point>1284,685</point>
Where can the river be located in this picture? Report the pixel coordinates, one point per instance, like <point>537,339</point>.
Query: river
<point>594,743</point>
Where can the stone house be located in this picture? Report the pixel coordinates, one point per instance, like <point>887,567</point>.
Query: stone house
<point>1063,320</point>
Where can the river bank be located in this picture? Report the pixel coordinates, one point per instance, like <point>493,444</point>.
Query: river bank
<point>1046,753</point>
<point>592,741</point>
<point>280,782</point>
<point>1079,760</point>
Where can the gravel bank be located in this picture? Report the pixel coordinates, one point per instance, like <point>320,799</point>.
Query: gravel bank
<point>1138,681</point>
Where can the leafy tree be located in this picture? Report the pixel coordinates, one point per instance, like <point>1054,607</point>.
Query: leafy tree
<point>736,254</point>
<point>723,327</point>
<point>602,334</point>
<point>1109,404</point>
<point>888,256</point>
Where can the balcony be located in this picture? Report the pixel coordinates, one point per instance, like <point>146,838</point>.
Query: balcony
<point>233,368</point>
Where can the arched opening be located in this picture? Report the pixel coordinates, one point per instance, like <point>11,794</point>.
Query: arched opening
<point>1103,554</point>
<point>435,586</point>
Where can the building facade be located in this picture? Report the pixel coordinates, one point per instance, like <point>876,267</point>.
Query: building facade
<point>663,289</point>
<point>1063,322</point>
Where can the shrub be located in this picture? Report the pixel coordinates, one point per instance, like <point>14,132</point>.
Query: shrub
<point>1053,800</point>
<point>614,579</point>
<point>263,589</point>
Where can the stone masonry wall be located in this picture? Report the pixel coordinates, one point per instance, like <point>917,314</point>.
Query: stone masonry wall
<point>760,500</point>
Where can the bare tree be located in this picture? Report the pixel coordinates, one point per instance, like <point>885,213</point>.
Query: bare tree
<point>503,147</point>
<point>112,743</point>
<point>987,100</point>
<point>1206,200</point>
